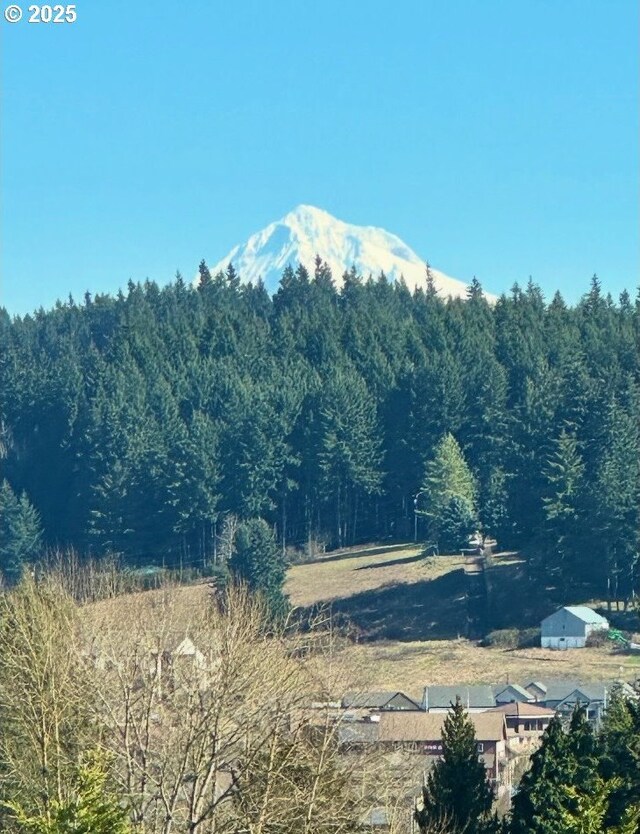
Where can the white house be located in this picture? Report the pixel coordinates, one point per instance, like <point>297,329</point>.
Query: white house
<point>569,627</point>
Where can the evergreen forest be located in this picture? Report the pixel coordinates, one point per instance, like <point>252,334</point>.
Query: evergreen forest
<point>135,424</point>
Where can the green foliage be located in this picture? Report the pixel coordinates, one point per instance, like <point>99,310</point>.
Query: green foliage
<point>135,422</point>
<point>513,638</point>
<point>580,783</point>
<point>620,744</point>
<point>538,804</point>
<point>457,792</point>
<point>564,504</point>
<point>587,810</point>
<point>91,808</point>
<point>258,560</point>
<point>20,534</point>
<point>456,523</point>
<point>450,491</point>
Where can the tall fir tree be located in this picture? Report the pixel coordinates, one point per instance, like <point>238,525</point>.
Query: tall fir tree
<point>450,490</point>
<point>20,534</point>
<point>538,804</point>
<point>457,791</point>
<point>258,561</point>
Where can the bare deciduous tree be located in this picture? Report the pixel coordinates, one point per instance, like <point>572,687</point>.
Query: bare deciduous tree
<point>43,695</point>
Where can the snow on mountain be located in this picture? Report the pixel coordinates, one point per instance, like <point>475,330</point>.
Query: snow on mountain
<point>307,231</point>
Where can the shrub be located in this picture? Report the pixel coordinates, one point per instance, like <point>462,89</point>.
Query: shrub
<point>504,638</point>
<point>597,638</point>
<point>513,638</point>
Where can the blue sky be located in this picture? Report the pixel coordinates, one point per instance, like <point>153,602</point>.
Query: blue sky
<point>497,138</point>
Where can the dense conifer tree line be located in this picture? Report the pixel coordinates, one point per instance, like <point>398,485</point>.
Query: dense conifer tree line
<point>134,424</point>
<point>578,782</point>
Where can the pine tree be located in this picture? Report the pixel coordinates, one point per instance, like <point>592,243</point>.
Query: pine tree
<point>91,808</point>
<point>457,789</point>
<point>620,744</point>
<point>564,504</point>
<point>539,803</point>
<point>258,561</point>
<point>348,451</point>
<point>582,747</point>
<point>616,498</point>
<point>586,810</point>
<point>450,489</point>
<point>20,534</point>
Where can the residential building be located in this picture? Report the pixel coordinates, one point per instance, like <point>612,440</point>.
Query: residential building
<point>439,699</point>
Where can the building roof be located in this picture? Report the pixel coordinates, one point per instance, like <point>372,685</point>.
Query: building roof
<point>498,690</point>
<point>536,685</point>
<point>601,691</point>
<point>523,710</point>
<point>358,732</point>
<point>425,726</point>
<point>559,689</point>
<point>584,613</point>
<point>441,697</point>
<point>373,700</point>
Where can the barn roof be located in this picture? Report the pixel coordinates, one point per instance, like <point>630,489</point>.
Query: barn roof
<point>584,613</point>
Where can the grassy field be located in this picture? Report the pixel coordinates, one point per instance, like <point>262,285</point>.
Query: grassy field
<point>409,617</point>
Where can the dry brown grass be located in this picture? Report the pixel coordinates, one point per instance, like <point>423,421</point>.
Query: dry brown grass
<point>379,587</point>
<point>410,666</point>
<point>341,575</point>
<point>385,590</point>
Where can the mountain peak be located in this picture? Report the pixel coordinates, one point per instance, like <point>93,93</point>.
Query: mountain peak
<point>306,212</point>
<point>307,231</point>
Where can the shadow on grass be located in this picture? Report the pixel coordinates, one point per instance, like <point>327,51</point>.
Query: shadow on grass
<point>436,609</point>
<point>359,554</point>
<point>433,609</point>
<point>406,561</point>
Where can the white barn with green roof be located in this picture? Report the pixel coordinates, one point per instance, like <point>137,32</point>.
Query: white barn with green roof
<point>569,627</point>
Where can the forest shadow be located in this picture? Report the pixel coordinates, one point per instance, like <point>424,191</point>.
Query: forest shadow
<point>432,609</point>
<point>436,609</point>
<point>359,554</point>
<point>392,562</point>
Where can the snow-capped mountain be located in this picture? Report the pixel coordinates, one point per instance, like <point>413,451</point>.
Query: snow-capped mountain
<point>307,231</point>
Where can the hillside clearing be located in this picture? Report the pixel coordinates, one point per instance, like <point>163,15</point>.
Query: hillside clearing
<point>409,614</point>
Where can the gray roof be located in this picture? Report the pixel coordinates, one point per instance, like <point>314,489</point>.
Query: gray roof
<point>358,732</point>
<point>559,690</point>
<point>600,691</point>
<point>584,613</point>
<point>498,690</point>
<point>372,700</point>
<point>441,697</point>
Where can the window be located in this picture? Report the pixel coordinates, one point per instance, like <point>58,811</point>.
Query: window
<point>480,747</point>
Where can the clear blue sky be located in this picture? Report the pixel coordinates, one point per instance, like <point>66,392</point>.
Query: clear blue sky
<point>497,138</point>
